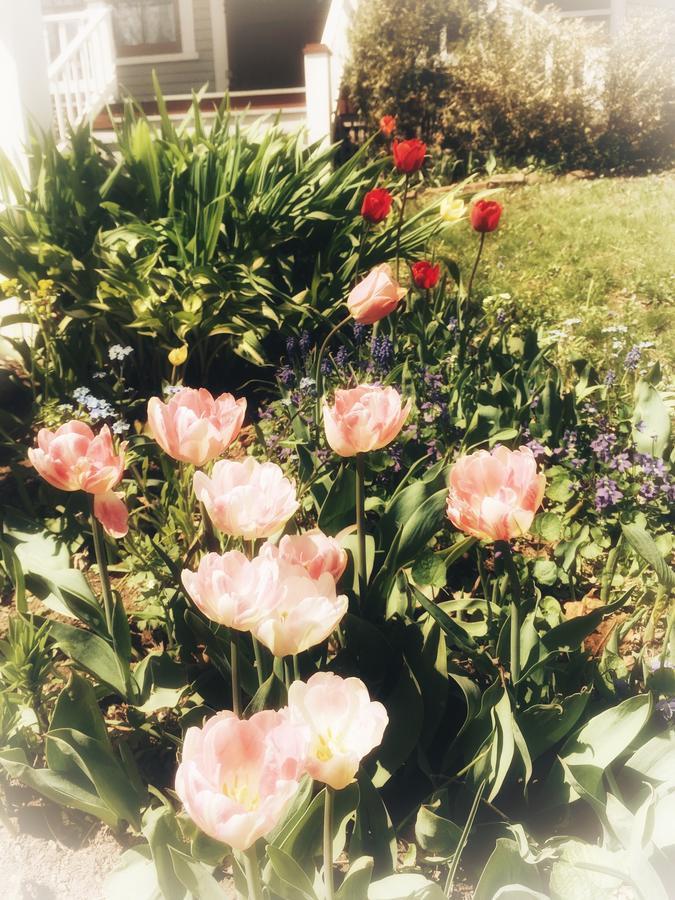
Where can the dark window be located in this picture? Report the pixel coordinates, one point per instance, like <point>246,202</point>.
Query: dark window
<point>146,27</point>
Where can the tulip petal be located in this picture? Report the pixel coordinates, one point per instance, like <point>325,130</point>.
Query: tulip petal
<point>111,511</point>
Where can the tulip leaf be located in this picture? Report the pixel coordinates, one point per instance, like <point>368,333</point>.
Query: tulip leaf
<point>405,887</point>
<point>645,546</point>
<point>356,880</point>
<point>373,833</point>
<point>294,883</point>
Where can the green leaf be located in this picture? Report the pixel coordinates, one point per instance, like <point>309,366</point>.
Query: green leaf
<point>429,569</point>
<point>304,839</point>
<point>356,880</point>
<point>543,725</point>
<point>291,876</point>
<point>571,880</point>
<point>604,737</point>
<point>645,546</point>
<point>457,636</point>
<point>405,887</point>
<point>56,787</point>
<point>195,876</point>
<point>436,835</point>
<point>506,866</point>
<point>133,876</point>
<point>406,715</point>
<point>655,760</point>
<point>338,510</point>
<point>373,833</point>
<point>91,653</point>
<point>95,759</point>
<point>653,415</point>
<point>161,830</point>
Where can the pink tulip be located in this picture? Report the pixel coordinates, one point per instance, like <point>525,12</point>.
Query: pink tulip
<point>494,496</point>
<point>224,587</point>
<point>111,511</point>
<point>247,499</point>
<point>73,458</point>
<point>296,612</point>
<point>340,722</point>
<point>364,418</point>
<point>375,296</point>
<point>237,776</point>
<point>194,427</point>
<point>314,551</point>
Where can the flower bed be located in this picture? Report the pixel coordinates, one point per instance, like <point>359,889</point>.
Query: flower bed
<point>398,615</point>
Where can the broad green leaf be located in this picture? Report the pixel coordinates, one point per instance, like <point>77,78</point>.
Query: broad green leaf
<point>291,875</point>
<point>572,880</point>
<point>436,835</point>
<point>56,787</point>
<point>373,833</point>
<point>644,546</point>
<point>506,866</point>
<point>544,724</point>
<point>406,714</point>
<point>651,413</point>
<point>357,879</point>
<point>133,876</point>
<point>304,839</point>
<point>405,887</point>
<point>195,876</point>
<point>655,760</point>
<point>161,830</point>
<point>90,652</point>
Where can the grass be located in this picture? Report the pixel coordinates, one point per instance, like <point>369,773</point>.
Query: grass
<point>602,251</point>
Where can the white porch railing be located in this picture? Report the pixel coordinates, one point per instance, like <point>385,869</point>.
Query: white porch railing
<point>82,73</point>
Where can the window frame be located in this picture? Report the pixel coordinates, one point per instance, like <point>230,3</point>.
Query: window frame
<point>184,48</point>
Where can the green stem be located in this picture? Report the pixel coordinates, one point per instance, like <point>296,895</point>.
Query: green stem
<point>288,678</point>
<point>210,538</point>
<point>234,672</point>
<point>400,225</point>
<point>257,653</point>
<point>361,522</point>
<point>252,871</point>
<point>667,637</point>
<point>99,549</point>
<point>329,796</point>
<point>475,267</point>
<point>318,377</point>
<point>514,583</point>
<point>486,593</point>
<point>450,880</point>
<point>296,668</point>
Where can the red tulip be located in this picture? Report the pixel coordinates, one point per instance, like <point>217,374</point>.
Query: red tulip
<point>409,155</point>
<point>485,215</point>
<point>425,275</point>
<point>376,205</point>
<point>388,125</point>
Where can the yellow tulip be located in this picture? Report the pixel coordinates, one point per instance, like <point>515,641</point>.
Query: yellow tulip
<point>178,355</point>
<point>452,209</point>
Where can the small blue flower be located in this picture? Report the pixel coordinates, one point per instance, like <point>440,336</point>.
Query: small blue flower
<point>633,357</point>
<point>305,343</point>
<point>118,352</point>
<point>342,357</point>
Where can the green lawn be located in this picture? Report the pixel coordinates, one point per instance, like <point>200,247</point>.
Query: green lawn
<point>602,251</point>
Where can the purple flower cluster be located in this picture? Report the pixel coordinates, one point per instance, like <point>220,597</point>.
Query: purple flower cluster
<point>603,445</point>
<point>305,343</point>
<point>342,357</point>
<point>382,352</point>
<point>360,333</point>
<point>633,357</point>
<point>607,493</point>
<point>286,376</point>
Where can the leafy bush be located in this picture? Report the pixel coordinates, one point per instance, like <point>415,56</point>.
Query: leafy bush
<point>199,239</point>
<point>526,85</point>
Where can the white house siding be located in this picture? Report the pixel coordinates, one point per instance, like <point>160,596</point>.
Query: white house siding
<point>177,76</point>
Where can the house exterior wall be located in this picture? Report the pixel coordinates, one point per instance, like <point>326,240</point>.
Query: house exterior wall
<point>175,76</point>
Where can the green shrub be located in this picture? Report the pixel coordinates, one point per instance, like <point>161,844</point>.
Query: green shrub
<point>195,237</point>
<point>527,86</point>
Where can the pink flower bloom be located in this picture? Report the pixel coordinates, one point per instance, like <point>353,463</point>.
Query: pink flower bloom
<point>364,418</point>
<point>225,587</point>
<point>246,499</point>
<point>494,496</point>
<point>313,550</point>
<point>194,427</point>
<point>237,776</point>
<point>296,612</point>
<point>73,458</point>
<point>375,296</point>
<point>111,511</point>
<point>341,725</point>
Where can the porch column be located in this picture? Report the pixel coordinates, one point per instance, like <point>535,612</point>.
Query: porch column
<point>318,92</point>
<point>24,97</point>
